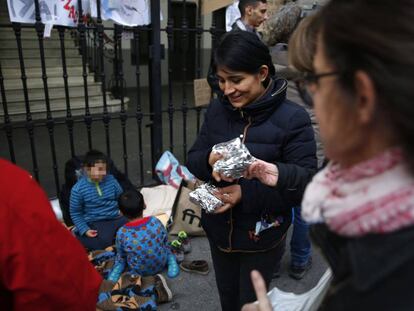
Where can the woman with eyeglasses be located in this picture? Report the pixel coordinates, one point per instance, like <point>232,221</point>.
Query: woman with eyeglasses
<point>362,202</point>
<point>249,231</point>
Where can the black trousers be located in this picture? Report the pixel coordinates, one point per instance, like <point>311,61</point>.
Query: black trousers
<point>233,273</point>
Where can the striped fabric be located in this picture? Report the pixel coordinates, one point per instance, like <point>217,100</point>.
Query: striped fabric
<point>374,196</point>
<point>92,202</point>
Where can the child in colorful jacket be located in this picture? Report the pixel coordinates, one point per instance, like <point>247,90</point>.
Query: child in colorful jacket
<point>142,243</point>
<point>93,204</point>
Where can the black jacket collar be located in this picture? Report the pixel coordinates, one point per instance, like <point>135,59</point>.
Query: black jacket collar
<point>260,110</point>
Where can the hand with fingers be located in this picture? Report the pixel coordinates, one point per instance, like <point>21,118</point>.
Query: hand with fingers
<point>91,233</point>
<point>267,173</point>
<point>230,196</point>
<point>261,294</point>
<point>213,158</point>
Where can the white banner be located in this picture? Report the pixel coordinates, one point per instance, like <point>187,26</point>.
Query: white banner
<point>23,11</point>
<point>56,12</point>
<point>124,12</point>
<point>65,12</point>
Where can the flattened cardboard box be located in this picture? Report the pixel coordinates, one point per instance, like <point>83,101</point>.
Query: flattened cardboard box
<point>209,6</point>
<point>202,92</point>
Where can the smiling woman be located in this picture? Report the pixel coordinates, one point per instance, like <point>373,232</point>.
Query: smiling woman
<point>243,80</point>
<point>249,231</point>
<point>241,88</point>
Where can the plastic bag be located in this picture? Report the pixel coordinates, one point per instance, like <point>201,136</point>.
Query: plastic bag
<point>309,301</point>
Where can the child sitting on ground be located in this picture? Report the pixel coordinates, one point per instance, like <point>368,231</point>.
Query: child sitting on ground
<point>93,203</point>
<point>141,244</point>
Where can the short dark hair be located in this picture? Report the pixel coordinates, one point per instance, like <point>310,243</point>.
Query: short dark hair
<point>245,3</point>
<point>243,51</point>
<point>94,156</point>
<point>131,203</point>
<point>356,36</point>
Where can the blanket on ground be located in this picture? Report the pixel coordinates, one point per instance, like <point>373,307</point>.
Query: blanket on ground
<point>130,292</point>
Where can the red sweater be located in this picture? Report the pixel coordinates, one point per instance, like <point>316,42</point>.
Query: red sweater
<point>42,266</point>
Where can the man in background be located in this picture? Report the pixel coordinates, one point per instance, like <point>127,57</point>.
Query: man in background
<point>253,14</point>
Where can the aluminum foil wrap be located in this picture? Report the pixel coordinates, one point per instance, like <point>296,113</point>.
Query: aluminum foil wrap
<point>236,158</point>
<point>204,197</point>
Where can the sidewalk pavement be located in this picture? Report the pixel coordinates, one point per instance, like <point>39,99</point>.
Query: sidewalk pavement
<point>194,292</point>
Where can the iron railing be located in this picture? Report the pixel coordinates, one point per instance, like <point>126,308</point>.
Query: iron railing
<point>156,118</point>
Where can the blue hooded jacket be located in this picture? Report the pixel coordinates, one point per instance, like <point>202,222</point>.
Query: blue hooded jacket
<point>90,201</point>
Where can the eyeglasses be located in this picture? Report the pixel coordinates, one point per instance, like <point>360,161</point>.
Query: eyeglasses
<point>308,79</point>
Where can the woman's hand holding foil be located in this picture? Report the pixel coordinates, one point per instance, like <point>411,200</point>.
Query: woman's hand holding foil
<point>230,196</point>
<point>213,158</point>
<point>267,173</point>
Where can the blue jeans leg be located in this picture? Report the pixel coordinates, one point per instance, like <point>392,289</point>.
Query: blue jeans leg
<point>300,246</point>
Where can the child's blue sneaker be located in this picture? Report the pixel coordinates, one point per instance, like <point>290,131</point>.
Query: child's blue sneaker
<point>173,268</point>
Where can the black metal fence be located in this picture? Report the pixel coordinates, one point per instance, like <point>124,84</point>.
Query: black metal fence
<point>151,117</point>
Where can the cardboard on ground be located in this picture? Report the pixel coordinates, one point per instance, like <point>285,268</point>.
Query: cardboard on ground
<point>202,92</point>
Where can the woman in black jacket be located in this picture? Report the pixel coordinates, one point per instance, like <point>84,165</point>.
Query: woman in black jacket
<point>274,129</point>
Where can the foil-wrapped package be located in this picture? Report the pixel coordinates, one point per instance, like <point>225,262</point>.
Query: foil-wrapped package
<point>236,158</point>
<point>205,198</point>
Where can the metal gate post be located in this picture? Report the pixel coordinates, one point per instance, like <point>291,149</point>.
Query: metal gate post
<point>155,84</point>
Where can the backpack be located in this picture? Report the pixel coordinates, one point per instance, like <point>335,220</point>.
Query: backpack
<point>73,170</point>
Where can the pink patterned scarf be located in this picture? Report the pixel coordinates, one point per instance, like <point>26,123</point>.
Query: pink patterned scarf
<point>375,196</point>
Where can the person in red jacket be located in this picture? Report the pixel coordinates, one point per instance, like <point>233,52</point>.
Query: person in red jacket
<point>42,266</point>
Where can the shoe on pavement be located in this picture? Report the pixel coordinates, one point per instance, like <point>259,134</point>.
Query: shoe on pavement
<point>298,272</point>
<point>195,266</point>
<point>164,293</point>
<point>177,249</point>
<point>185,241</point>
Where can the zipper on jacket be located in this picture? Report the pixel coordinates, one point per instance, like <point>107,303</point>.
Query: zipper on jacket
<point>231,210</point>
<point>98,189</point>
<point>246,128</point>
<point>231,229</point>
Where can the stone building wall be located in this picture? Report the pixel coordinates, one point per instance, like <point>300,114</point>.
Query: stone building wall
<point>283,18</point>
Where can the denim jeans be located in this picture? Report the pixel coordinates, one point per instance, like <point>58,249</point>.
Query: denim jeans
<point>300,246</point>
